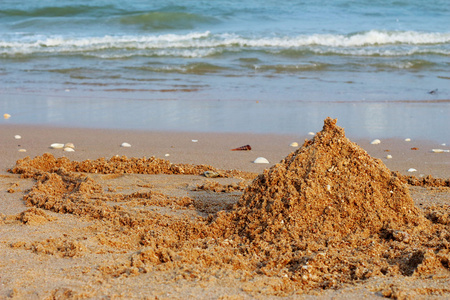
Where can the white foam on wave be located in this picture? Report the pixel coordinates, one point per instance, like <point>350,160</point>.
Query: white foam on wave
<point>199,44</point>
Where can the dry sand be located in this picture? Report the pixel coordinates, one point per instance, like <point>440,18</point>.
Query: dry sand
<point>72,228</point>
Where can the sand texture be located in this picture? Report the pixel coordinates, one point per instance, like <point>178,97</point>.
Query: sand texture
<point>328,220</point>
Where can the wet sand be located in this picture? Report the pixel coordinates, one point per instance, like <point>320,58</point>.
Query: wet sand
<point>78,251</point>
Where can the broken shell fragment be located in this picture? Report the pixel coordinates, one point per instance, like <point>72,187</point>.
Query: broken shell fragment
<point>6,116</point>
<point>17,137</point>
<point>126,145</point>
<point>407,140</point>
<point>311,133</point>
<point>167,154</point>
<point>412,170</point>
<point>68,149</point>
<point>69,145</point>
<point>242,148</point>
<point>261,160</point>
<point>194,141</point>
<point>294,144</point>
<point>439,150</point>
<point>57,146</point>
<point>211,174</point>
<point>388,156</point>
<point>375,142</point>
<point>22,150</point>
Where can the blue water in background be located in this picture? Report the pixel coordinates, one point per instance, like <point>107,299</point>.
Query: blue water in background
<point>301,61</point>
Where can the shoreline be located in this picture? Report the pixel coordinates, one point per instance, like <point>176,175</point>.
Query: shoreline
<point>417,120</point>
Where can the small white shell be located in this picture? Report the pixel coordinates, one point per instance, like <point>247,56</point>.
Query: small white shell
<point>375,142</point>
<point>311,133</point>
<point>126,145</point>
<point>22,150</point>
<point>388,156</point>
<point>69,145</point>
<point>194,141</point>
<point>443,144</point>
<point>167,154</point>
<point>57,146</point>
<point>17,137</point>
<point>261,160</point>
<point>439,150</point>
<point>6,116</point>
<point>294,144</point>
<point>68,149</point>
<point>407,140</point>
<point>412,170</point>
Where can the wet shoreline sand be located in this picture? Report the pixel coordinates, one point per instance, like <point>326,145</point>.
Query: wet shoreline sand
<point>63,255</point>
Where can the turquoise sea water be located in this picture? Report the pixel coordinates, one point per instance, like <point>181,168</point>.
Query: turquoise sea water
<point>60,59</point>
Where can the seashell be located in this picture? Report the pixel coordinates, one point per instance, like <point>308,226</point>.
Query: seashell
<point>407,140</point>
<point>439,150</point>
<point>17,137</point>
<point>22,150</point>
<point>242,148</point>
<point>294,144</point>
<point>6,116</point>
<point>311,133</point>
<point>68,149</point>
<point>261,160</point>
<point>443,144</point>
<point>167,154</point>
<point>388,156</point>
<point>57,146</point>
<point>414,148</point>
<point>194,141</point>
<point>412,170</point>
<point>211,174</point>
<point>375,142</point>
<point>126,145</point>
<point>69,145</point>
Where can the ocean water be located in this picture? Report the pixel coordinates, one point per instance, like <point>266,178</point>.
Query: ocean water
<point>61,59</point>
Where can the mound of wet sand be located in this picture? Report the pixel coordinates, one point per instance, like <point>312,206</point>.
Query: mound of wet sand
<point>328,189</point>
<point>328,214</point>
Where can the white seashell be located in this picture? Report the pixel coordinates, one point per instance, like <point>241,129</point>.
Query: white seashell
<point>261,160</point>
<point>167,154</point>
<point>439,150</point>
<point>375,142</point>
<point>6,116</point>
<point>407,140</point>
<point>17,137</point>
<point>69,145</point>
<point>311,133</point>
<point>126,145</point>
<point>194,141</point>
<point>412,170</point>
<point>294,144</point>
<point>68,149</point>
<point>443,144</point>
<point>57,146</point>
<point>22,150</point>
<point>388,156</point>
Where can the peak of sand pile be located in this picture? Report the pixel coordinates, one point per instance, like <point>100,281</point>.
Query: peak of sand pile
<point>330,187</point>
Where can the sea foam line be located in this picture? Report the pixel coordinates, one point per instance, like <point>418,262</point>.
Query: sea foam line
<point>207,40</point>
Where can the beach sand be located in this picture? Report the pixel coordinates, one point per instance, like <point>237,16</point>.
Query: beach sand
<point>149,236</point>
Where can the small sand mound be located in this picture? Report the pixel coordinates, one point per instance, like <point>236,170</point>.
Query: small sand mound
<point>330,187</point>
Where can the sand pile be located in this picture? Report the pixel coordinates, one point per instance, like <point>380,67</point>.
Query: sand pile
<point>328,214</point>
<point>329,188</point>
